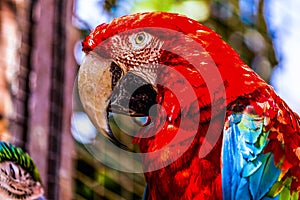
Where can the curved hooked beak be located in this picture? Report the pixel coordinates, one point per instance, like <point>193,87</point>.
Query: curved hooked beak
<point>94,87</point>
<point>105,87</point>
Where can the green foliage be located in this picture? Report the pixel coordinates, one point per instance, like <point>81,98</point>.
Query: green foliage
<point>146,5</point>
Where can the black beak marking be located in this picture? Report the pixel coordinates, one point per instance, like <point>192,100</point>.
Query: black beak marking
<point>116,74</point>
<point>131,95</point>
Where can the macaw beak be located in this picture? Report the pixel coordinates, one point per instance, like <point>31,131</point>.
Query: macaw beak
<point>105,87</point>
<point>94,87</point>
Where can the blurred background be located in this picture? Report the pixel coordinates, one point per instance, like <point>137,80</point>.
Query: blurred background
<point>40,46</point>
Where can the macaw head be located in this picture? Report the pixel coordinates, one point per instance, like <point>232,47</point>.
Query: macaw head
<point>19,176</point>
<point>156,64</point>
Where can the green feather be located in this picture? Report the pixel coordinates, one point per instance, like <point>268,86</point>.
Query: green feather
<point>295,196</point>
<point>276,189</point>
<point>282,188</point>
<point>9,152</point>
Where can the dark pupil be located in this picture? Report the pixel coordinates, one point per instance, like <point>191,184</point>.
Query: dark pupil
<point>140,38</point>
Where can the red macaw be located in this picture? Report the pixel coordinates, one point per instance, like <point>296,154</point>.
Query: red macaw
<point>214,129</point>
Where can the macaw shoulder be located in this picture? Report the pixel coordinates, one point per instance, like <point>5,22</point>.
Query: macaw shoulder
<point>261,149</point>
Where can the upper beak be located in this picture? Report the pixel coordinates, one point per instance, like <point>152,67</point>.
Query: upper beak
<point>100,92</point>
<point>94,87</point>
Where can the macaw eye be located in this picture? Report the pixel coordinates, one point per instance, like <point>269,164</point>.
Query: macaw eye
<point>140,38</point>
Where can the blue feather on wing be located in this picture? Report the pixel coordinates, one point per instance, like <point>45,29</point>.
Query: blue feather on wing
<point>247,173</point>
